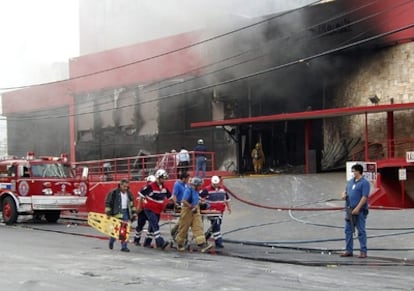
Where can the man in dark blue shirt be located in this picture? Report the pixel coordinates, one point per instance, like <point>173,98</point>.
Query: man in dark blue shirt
<point>201,158</point>
<point>178,193</point>
<point>356,196</point>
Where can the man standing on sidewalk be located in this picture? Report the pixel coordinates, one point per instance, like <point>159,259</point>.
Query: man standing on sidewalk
<point>356,196</point>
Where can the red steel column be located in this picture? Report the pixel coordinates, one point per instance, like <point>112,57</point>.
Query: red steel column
<point>390,134</point>
<point>72,142</point>
<point>366,137</point>
<point>308,127</point>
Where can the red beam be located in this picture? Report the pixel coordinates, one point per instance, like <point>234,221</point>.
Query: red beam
<point>306,115</point>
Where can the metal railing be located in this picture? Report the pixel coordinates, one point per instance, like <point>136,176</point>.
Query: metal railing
<point>139,167</point>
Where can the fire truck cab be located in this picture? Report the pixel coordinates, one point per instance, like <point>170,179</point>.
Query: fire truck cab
<point>40,186</point>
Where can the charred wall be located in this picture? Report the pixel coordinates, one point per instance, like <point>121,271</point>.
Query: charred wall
<point>386,72</point>
<point>109,123</point>
<point>42,132</point>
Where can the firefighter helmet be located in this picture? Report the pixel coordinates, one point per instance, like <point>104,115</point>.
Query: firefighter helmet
<point>161,173</point>
<point>151,178</point>
<point>200,141</point>
<point>196,181</point>
<point>215,180</point>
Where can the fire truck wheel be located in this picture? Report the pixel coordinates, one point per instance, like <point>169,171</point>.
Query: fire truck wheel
<point>52,216</point>
<point>9,211</point>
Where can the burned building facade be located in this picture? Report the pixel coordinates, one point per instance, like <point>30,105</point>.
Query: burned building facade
<point>145,97</point>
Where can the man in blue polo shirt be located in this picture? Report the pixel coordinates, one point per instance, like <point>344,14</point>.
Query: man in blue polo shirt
<point>178,191</point>
<point>356,196</point>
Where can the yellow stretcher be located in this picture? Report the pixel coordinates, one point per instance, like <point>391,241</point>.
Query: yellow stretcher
<point>109,225</point>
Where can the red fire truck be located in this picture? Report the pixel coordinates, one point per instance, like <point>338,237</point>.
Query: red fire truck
<point>40,186</point>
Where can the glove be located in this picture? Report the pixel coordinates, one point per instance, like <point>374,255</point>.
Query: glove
<point>204,206</point>
<point>169,206</point>
<point>177,207</point>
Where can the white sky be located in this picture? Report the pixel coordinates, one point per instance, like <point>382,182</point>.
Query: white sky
<point>35,32</point>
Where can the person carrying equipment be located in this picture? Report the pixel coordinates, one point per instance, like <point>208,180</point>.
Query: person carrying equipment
<point>156,196</point>
<point>178,191</point>
<point>190,216</point>
<point>119,203</point>
<point>218,200</point>
<point>142,218</point>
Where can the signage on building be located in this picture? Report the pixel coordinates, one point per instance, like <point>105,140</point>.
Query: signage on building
<point>402,174</point>
<point>409,156</point>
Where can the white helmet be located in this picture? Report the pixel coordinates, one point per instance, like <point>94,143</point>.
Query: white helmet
<point>200,141</point>
<point>215,180</point>
<point>151,178</point>
<point>161,173</point>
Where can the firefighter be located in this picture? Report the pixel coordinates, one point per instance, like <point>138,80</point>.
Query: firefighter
<point>218,200</point>
<point>258,158</point>
<point>156,197</point>
<point>120,204</point>
<point>190,216</point>
<point>142,218</point>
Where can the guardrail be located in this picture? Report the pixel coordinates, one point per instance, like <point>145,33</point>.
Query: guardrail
<point>138,167</point>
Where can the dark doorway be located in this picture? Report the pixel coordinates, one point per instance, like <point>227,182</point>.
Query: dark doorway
<point>283,143</point>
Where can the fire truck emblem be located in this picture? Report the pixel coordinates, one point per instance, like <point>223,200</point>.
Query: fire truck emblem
<point>63,189</point>
<point>23,188</point>
<point>83,188</point>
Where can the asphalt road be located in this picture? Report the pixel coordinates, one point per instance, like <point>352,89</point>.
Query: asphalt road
<point>52,260</point>
<point>301,251</point>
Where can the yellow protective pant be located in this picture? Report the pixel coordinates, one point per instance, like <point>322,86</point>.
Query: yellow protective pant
<point>257,166</point>
<point>189,219</point>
